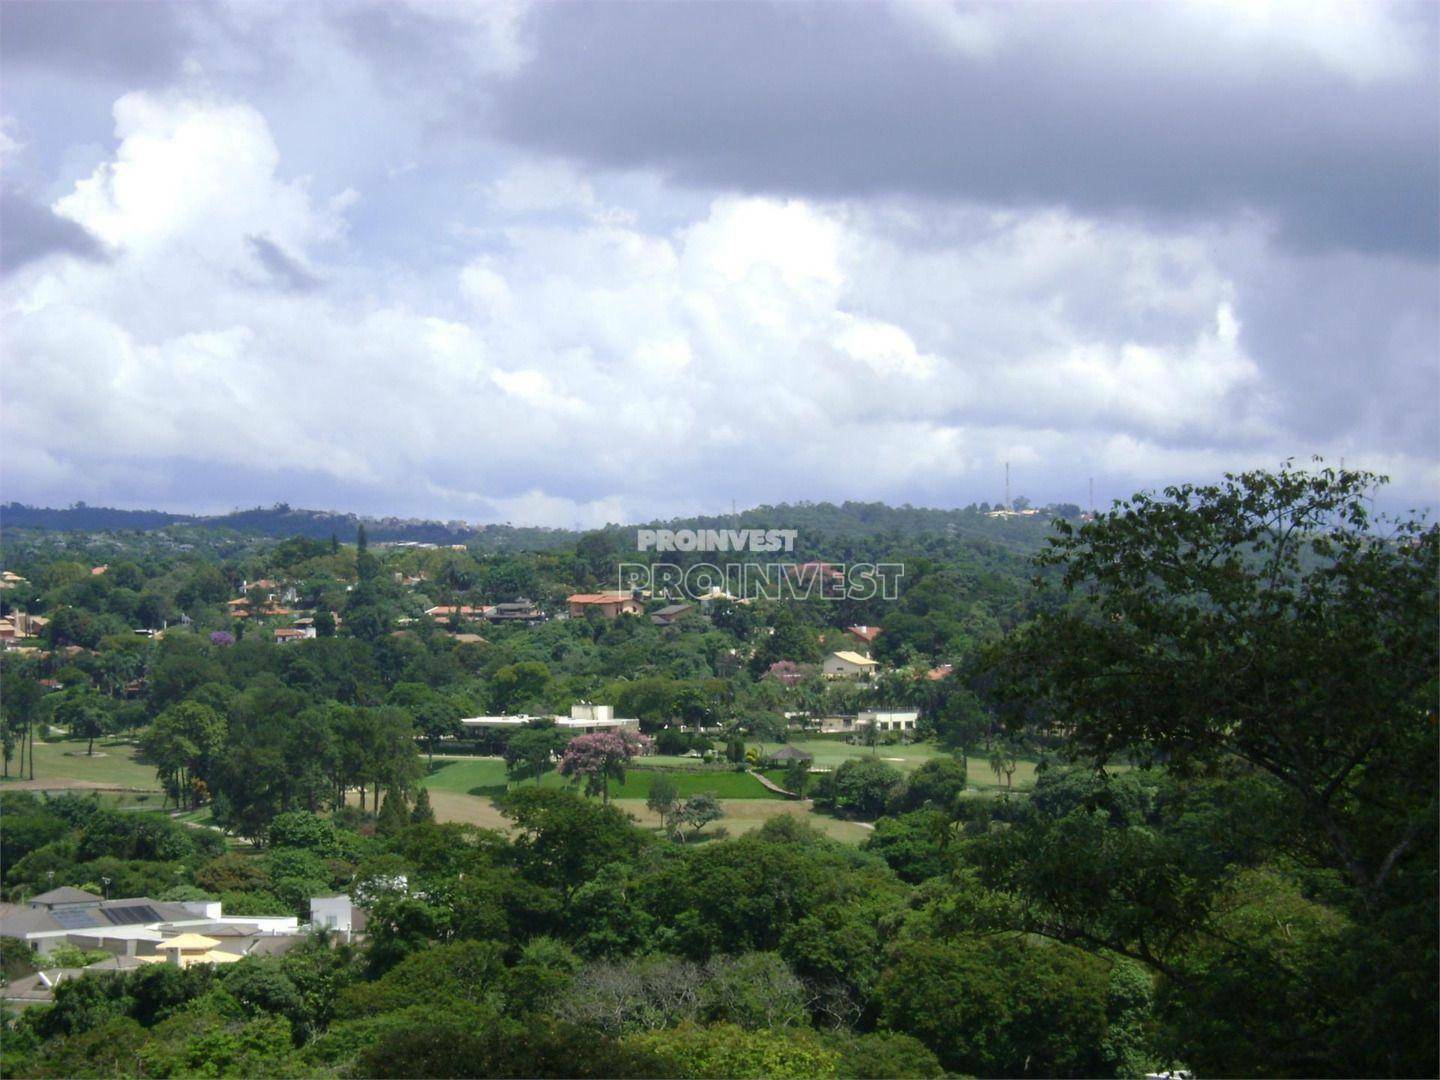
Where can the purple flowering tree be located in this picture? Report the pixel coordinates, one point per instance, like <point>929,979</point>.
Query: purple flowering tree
<point>222,637</point>
<point>595,759</point>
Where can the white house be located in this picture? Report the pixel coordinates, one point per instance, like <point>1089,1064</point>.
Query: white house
<point>584,719</point>
<point>337,913</point>
<point>848,665</point>
<point>888,720</point>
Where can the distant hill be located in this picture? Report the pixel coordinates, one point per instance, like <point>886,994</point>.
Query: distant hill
<point>822,525</point>
<point>280,520</point>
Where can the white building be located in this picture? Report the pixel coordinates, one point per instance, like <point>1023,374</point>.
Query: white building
<point>336,913</point>
<point>888,720</point>
<point>584,719</point>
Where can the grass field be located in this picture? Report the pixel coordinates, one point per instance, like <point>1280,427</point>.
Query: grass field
<point>487,777</point>
<point>741,815</point>
<point>64,764</point>
<point>831,753</point>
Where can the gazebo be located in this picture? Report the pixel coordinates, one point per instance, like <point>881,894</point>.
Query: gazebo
<point>787,754</point>
<point>187,949</point>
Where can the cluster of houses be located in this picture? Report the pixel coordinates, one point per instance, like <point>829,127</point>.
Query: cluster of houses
<point>518,611</point>
<point>137,931</point>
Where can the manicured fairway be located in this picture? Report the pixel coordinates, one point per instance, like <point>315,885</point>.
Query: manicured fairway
<point>64,764</point>
<point>487,776</point>
<point>831,753</point>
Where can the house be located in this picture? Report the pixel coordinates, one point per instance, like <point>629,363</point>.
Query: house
<point>863,636</point>
<point>139,931</point>
<point>668,616</point>
<point>135,926</point>
<point>943,671</point>
<point>184,950</point>
<point>584,719</point>
<point>287,635</point>
<point>468,639</point>
<point>888,720</point>
<point>521,610</point>
<point>96,571</point>
<point>848,665</point>
<point>19,625</point>
<point>451,612</point>
<point>610,605</point>
<point>337,914</point>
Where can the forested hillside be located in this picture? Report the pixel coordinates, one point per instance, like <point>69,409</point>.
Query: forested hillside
<point>1160,792</point>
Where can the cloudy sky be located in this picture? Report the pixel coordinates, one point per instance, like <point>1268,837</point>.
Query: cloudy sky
<point>567,264</point>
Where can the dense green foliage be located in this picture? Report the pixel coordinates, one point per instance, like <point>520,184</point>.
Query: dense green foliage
<point>1227,860</point>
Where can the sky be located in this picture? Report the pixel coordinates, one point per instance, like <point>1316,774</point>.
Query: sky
<point>569,264</point>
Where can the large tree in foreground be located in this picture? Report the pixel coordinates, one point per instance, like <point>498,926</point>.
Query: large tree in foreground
<point>1273,648</point>
<point>1266,619</point>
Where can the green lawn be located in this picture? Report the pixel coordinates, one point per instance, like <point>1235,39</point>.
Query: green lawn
<point>487,776</point>
<point>980,775</point>
<point>65,765</point>
<point>831,753</point>
<point>465,775</point>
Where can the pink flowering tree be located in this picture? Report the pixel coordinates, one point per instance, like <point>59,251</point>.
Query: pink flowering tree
<point>595,759</point>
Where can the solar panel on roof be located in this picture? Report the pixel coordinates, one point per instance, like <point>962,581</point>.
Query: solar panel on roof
<point>131,914</point>
<point>78,919</point>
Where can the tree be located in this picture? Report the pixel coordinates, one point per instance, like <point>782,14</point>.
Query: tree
<point>860,786</point>
<point>935,784</point>
<point>1003,762</point>
<point>533,750</point>
<point>1000,1007</point>
<point>435,716</point>
<point>564,840</point>
<point>695,813</point>
<point>664,798</point>
<point>184,743</point>
<point>797,776</point>
<point>421,811</point>
<point>726,1050</point>
<point>1261,619</point>
<point>20,699</point>
<point>518,685</point>
<point>85,716</point>
<point>599,757</point>
<point>959,719</point>
<point>394,815</point>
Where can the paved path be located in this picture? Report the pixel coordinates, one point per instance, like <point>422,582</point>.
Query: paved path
<point>766,782</point>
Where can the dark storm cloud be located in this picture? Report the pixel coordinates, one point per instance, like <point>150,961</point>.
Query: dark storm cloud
<point>1352,341</point>
<point>285,272</point>
<point>1104,110</point>
<point>140,43</point>
<point>30,231</point>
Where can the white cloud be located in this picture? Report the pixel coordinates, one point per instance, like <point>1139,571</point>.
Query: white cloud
<point>600,370</point>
